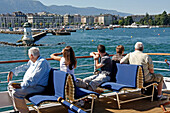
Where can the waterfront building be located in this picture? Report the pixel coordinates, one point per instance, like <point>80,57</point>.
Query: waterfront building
<point>89,20</point>
<point>68,19</point>
<point>16,19</point>
<point>137,18</point>
<point>105,19</point>
<point>96,19</point>
<point>77,19</point>
<point>44,20</point>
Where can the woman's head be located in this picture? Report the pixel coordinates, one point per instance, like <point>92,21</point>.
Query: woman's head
<point>69,56</point>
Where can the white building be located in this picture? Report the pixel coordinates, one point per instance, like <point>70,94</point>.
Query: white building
<point>105,19</point>
<point>16,19</point>
<point>68,19</point>
<point>89,20</point>
<point>42,20</point>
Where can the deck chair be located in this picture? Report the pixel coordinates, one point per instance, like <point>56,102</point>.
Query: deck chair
<point>59,84</point>
<point>163,107</point>
<point>74,93</point>
<point>128,77</point>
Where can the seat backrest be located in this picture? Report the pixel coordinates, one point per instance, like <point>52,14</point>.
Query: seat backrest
<point>49,90</point>
<point>59,79</point>
<point>128,74</point>
<point>140,77</point>
<point>114,71</point>
<point>70,88</point>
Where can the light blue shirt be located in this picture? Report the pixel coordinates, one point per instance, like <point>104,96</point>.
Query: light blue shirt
<point>35,73</point>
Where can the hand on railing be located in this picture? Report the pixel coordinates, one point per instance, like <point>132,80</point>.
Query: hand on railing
<point>167,61</point>
<point>95,55</point>
<point>10,75</point>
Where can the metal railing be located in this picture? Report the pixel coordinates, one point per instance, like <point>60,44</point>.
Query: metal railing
<point>79,57</point>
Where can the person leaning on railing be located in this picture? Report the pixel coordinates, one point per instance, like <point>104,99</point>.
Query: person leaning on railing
<point>92,82</point>
<point>139,58</point>
<point>35,79</point>
<point>68,62</point>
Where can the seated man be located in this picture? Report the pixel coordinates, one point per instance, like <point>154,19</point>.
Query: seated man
<point>139,58</point>
<point>35,79</point>
<point>94,81</point>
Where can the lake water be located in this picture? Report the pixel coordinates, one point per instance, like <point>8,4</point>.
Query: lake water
<point>155,41</point>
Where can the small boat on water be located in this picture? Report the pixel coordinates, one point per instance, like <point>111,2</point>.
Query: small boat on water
<point>63,32</point>
<point>97,28</point>
<point>111,27</point>
<point>102,105</point>
<point>70,30</point>
<point>134,25</point>
<point>88,28</point>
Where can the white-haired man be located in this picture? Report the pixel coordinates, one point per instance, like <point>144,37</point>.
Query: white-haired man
<point>139,58</point>
<point>35,79</point>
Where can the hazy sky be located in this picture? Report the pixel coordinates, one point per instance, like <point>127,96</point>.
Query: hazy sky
<point>127,6</point>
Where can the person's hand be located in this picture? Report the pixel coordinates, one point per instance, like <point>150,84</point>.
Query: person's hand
<point>10,75</point>
<point>62,51</point>
<point>96,57</point>
<point>166,60</point>
<point>16,85</point>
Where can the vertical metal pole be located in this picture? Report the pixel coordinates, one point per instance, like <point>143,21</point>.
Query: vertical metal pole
<point>94,65</point>
<point>118,102</point>
<point>92,104</point>
<point>152,93</point>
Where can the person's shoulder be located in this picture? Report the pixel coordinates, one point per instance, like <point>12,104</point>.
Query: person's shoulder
<point>42,60</point>
<point>62,59</point>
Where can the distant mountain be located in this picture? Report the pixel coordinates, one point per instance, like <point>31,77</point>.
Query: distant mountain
<point>32,6</point>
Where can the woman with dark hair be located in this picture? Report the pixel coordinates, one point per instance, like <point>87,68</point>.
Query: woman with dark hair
<point>68,62</point>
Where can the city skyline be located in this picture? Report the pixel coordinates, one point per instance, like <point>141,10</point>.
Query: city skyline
<point>126,6</point>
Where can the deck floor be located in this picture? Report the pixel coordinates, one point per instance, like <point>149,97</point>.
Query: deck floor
<point>106,105</point>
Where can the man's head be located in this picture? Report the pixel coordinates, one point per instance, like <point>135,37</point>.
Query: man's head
<point>139,46</point>
<point>33,53</point>
<point>120,49</point>
<point>101,48</point>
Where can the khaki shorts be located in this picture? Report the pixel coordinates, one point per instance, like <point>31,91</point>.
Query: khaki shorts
<point>154,78</point>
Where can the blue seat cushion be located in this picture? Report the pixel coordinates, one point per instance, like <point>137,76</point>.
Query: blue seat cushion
<point>80,93</point>
<point>115,86</point>
<point>38,99</point>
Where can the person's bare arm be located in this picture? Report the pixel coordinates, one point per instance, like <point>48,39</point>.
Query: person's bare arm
<point>98,65</point>
<point>55,56</point>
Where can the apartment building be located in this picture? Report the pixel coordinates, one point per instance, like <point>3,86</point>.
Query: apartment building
<point>105,19</point>
<point>68,19</point>
<point>41,20</point>
<point>77,19</point>
<point>16,19</point>
<point>89,20</point>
